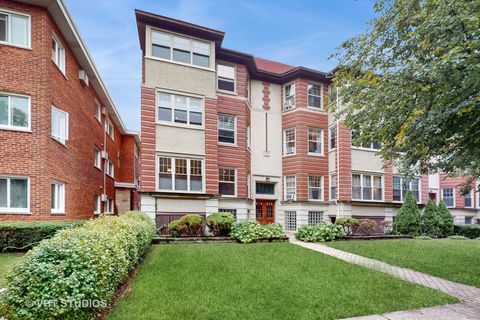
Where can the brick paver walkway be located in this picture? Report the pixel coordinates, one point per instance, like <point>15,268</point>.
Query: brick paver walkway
<point>469,295</point>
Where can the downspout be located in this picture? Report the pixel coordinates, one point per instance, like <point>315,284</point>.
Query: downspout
<point>337,160</point>
<point>103,169</point>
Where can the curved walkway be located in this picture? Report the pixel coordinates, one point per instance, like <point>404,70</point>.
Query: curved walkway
<point>469,295</point>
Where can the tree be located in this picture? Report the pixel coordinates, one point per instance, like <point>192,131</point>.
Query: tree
<point>411,82</point>
<point>431,222</point>
<point>446,219</point>
<point>407,220</point>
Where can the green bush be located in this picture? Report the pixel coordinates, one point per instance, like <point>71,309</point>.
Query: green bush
<point>407,220</point>
<point>319,233</point>
<point>446,219</point>
<point>190,225</point>
<point>457,238</point>
<point>349,225</point>
<point>431,222</point>
<point>74,274</point>
<point>220,223</point>
<point>24,235</point>
<point>469,231</point>
<point>251,231</point>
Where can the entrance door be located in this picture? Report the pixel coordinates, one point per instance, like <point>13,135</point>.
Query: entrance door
<point>265,211</point>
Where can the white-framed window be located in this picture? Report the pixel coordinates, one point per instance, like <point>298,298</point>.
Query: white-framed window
<point>289,141</point>
<point>333,187</point>
<point>290,223</point>
<point>14,194</point>
<point>315,141</point>
<point>289,96</point>
<point>315,95</point>
<point>448,196</point>
<point>58,197</point>
<point>226,77</point>
<point>315,188</point>
<point>14,28</point>
<point>233,212</point>
<point>58,54</point>
<point>14,112</point>
<point>180,174</point>
<point>109,206</point>
<point>109,168</point>
<point>59,125</point>
<point>401,186</point>
<point>315,217</point>
<point>97,204</point>
<point>369,145</point>
<point>367,187</point>
<point>290,188</point>
<point>226,129</point>
<point>109,129</point>
<point>97,158</point>
<point>249,136</point>
<point>226,181</point>
<point>468,199</point>
<point>97,110</point>
<point>179,109</point>
<point>333,137</point>
<point>180,49</point>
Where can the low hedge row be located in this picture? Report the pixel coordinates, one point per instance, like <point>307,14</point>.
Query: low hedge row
<point>469,231</point>
<point>24,235</point>
<point>74,274</point>
<point>251,231</point>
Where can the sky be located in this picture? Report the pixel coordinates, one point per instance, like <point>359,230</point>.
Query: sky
<point>299,33</point>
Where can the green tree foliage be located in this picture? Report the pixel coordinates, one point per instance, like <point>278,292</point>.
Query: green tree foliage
<point>431,222</point>
<point>446,219</point>
<point>407,220</point>
<point>411,82</point>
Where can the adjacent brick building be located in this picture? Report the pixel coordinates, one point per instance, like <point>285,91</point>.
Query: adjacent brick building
<point>226,131</point>
<point>64,150</point>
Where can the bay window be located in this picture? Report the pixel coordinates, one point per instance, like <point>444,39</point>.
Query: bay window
<point>226,181</point>
<point>315,188</point>
<point>315,141</point>
<point>290,187</point>
<point>289,96</point>
<point>179,109</point>
<point>315,95</point>
<point>289,141</point>
<point>14,194</point>
<point>367,187</point>
<point>180,174</point>
<point>226,129</point>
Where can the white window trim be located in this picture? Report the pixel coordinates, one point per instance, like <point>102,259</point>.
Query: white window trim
<point>372,185</point>
<point>249,136</point>
<point>453,195</point>
<point>60,186</point>
<point>172,119</point>
<point>285,187</point>
<point>29,120</point>
<point>157,172</point>
<point>9,13</point>
<point>97,199</point>
<point>109,206</point>
<point>334,127</point>
<point>284,88</point>
<point>58,138</point>
<point>9,210</point>
<point>322,187</point>
<point>60,47</point>
<point>310,212</point>
<point>410,186</point>
<point>97,158</point>
<point>98,114</point>
<point>109,164</point>
<point>285,154</point>
<point>108,124</point>
<point>235,183</point>
<point>321,96</point>
<point>322,137</point>
<point>471,200</point>
<point>330,187</point>
<point>234,130</point>
<point>234,66</point>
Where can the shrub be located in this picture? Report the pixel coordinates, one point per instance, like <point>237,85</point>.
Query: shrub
<point>349,225</point>
<point>251,231</point>
<point>75,273</point>
<point>431,222</point>
<point>469,231</point>
<point>220,223</point>
<point>446,219</point>
<point>24,235</point>
<point>366,227</point>
<point>455,237</point>
<point>319,233</point>
<point>407,220</point>
<point>422,238</point>
<point>190,225</point>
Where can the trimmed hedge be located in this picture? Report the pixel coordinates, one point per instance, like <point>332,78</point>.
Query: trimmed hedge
<point>24,235</point>
<point>320,232</point>
<point>469,231</point>
<point>189,225</point>
<point>75,274</point>
<point>251,231</point>
<point>220,223</point>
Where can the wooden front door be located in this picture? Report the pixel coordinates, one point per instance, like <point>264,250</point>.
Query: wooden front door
<point>265,211</point>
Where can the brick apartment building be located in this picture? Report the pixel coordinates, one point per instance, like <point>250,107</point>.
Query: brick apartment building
<point>226,131</point>
<point>64,150</point>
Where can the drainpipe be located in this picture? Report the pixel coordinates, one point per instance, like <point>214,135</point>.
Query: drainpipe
<point>105,150</point>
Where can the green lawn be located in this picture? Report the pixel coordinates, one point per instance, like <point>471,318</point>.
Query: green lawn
<point>262,281</point>
<point>456,260</point>
<point>7,261</point>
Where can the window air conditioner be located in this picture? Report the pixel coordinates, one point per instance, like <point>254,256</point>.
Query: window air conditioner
<point>82,75</point>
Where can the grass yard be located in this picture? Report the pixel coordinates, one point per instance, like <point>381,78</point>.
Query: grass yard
<point>7,261</point>
<point>262,281</point>
<point>456,260</point>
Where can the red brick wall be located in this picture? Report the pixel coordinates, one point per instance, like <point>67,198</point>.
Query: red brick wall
<point>147,152</point>
<point>344,178</point>
<point>211,147</point>
<point>450,182</point>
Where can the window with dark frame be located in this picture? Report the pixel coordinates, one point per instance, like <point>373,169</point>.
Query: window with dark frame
<point>264,188</point>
